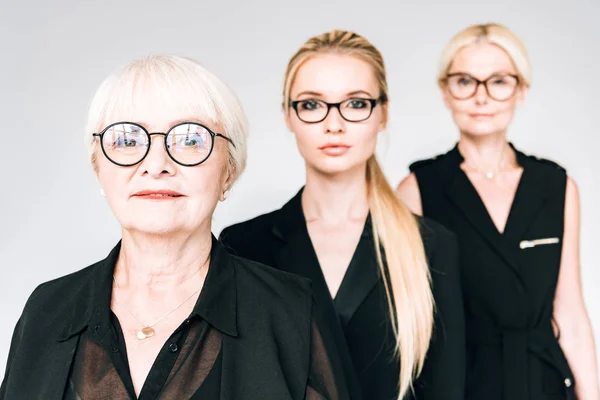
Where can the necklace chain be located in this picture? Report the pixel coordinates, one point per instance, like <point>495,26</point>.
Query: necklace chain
<point>148,328</point>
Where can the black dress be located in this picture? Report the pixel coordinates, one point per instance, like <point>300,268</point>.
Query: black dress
<point>251,335</point>
<point>509,279</point>
<point>356,323</point>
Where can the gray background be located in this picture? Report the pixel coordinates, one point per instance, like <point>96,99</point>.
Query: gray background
<point>52,218</point>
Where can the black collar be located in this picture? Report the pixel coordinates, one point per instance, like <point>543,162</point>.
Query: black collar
<point>456,157</point>
<point>90,302</point>
<point>290,218</point>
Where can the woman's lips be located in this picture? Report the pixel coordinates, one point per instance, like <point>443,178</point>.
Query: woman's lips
<point>334,149</point>
<point>157,195</point>
<point>481,116</point>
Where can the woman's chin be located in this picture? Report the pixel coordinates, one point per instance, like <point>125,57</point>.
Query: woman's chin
<point>335,166</point>
<point>481,131</point>
<point>155,227</point>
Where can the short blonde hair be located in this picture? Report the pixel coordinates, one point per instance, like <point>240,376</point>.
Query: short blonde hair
<point>172,85</point>
<point>493,33</point>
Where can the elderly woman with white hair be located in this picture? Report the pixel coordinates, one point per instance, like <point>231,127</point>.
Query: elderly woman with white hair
<point>169,314</point>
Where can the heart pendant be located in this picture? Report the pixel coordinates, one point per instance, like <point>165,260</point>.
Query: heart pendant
<point>145,333</point>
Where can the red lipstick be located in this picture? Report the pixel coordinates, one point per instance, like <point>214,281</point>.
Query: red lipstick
<point>157,194</point>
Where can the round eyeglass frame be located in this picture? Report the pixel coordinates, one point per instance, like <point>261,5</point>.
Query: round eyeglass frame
<point>165,135</point>
<point>484,83</point>
<point>373,102</point>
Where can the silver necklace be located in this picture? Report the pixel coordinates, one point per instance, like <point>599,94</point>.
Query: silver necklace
<point>147,331</point>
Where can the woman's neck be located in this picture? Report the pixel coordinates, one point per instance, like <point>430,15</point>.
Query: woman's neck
<point>149,265</point>
<point>486,154</point>
<point>335,198</point>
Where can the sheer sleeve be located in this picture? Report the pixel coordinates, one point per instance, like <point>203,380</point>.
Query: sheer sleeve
<point>323,380</point>
<point>326,378</point>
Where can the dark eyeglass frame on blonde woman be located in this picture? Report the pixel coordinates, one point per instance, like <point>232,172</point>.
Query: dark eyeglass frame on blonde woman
<point>314,116</point>
<point>461,90</point>
<point>142,148</point>
<point>361,247</point>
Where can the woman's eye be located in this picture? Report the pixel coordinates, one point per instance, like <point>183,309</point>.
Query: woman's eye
<point>465,80</point>
<point>193,140</point>
<point>309,105</point>
<point>357,103</point>
<point>124,141</point>
<point>189,141</point>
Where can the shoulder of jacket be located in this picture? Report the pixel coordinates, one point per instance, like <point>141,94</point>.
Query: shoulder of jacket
<point>271,276</point>
<point>284,292</point>
<point>56,288</point>
<point>547,162</point>
<point>254,226</point>
<point>419,164</point>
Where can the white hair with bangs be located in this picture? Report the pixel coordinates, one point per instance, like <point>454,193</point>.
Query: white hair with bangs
<point>175,87</point>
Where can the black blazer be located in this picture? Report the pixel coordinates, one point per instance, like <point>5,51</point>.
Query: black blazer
<point>264,315</point>
<point>358,319</point>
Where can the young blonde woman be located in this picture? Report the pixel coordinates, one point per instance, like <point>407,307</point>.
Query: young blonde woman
<point>517,221</point>
<point>386,283</point>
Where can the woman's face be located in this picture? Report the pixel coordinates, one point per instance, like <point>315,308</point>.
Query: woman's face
<point>158,196</point>
<point>482,113</point>
<point>333,144</point>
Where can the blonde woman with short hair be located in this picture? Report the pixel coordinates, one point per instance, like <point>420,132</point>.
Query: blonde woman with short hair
<point>517,220</point>
<point>169,314</point>
<point>386,282</point>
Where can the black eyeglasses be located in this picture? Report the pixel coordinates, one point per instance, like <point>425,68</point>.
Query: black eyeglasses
<point>352,110</point>
<point>500,87</point>
<point>127,143</point>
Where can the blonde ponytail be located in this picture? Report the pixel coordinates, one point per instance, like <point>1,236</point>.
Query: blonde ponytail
<point>406,277</point>
<point>397,236</point>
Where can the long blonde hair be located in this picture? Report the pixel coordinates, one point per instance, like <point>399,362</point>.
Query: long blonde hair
<point>493,33</point>
<point>395,228</point>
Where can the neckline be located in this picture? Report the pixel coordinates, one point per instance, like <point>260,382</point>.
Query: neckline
<point>349,272</point>
<point>520,158</point>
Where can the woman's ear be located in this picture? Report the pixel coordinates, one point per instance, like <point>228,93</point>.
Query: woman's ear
<point>521,94</point>
<point>384,117</point>
<point>286,118</point>
<point>445,98</point>
<point>228,178</point>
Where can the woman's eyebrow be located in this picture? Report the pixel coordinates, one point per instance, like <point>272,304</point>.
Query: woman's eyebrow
<point>309,93</point>
<point>358,92</point>
<point>317,94</point>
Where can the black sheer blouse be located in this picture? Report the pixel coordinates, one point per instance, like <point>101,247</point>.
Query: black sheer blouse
<point>251,335</point>
<point>188,367</point>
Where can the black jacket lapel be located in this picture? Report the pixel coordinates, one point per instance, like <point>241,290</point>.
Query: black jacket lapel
<point>297,255</point>
<point>361,278</point>
<point>464,196</point>
<point>529,200</point>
